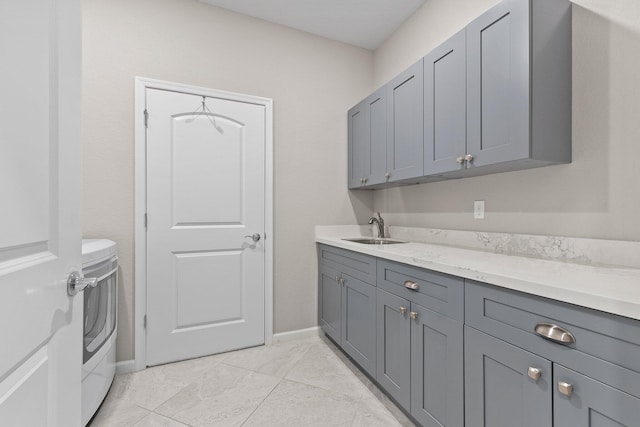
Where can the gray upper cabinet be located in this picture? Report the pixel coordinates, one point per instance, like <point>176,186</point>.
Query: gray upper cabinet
<point>368,141</point>
<point>445,106</point>
<point>404,125</point>
<point>519,86</point>
<point>495,97</point>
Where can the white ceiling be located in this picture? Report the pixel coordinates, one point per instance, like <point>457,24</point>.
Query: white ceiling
<point>364,23</point>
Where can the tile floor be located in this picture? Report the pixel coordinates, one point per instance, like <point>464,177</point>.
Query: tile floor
<point>306,382</point>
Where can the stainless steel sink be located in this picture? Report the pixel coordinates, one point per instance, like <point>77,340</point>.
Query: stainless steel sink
<point>374,241</point>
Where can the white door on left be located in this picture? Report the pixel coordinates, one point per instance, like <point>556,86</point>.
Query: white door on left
<point>40,228</point>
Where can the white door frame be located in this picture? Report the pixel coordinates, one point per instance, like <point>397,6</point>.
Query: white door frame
<point>140,252</point>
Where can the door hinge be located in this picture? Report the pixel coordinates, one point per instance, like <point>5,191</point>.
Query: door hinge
<point>146,220</point>
<point>146,118</point>
<point>145,321</point>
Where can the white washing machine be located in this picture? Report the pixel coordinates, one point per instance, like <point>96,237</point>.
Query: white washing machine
<point>99,260</point>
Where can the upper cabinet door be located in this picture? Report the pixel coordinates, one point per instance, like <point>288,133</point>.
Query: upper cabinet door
<point>368,141</point>
<point>498,95</point>
<point>445,106</point>
<point>359,147</point>
<point>404,125</point>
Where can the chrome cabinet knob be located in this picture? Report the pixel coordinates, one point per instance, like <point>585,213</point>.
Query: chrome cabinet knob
<point>255,236</point>
<point>387,175</point>
<point>534,373</point>
<point>565,388</point>
<point>76,283</point>
<point>403,310</point>
<point>364,180</point>
<point>468,158</point>
<point>460,160</point>
<point>413,315</point>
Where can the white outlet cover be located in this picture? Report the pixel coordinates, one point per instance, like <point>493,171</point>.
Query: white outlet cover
<point>478,209</point>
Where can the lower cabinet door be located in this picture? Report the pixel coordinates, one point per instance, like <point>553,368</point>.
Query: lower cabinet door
<point>359,322</point>
<point>581,401</point>
<point>394,347</point>
<point>437,369</point>
<point>502,386</point>
<point>329,302</point>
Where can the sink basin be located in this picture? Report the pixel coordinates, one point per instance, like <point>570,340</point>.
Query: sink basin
<point>374,241</point>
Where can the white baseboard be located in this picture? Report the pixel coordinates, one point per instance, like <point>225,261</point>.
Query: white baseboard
<point>296,335</point>
<point>125,367</point>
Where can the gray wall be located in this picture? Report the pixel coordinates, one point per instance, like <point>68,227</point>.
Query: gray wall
<point>595,196</point>
<point>313,81</point>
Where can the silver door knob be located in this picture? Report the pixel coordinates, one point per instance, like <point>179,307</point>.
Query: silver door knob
<point>255,236</point>
<point>460,160</point>
<point>364,180</point>
<point>77,283</point>
<point>468,158</point>
<point>403,310</point>
<point>413,315</point>
<point>387,175</point>
<point>361,180</point>
<point>534,373</point>
<point>565,388</point>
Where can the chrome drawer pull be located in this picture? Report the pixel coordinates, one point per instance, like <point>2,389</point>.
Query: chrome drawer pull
<point>411,285</point>
<point>554,333</point>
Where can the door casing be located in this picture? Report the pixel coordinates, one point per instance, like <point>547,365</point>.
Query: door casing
<point>140,245</point>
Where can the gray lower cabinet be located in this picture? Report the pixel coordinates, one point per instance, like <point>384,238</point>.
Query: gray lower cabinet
<point>498,388</point>
<point>347,302</point>
<point>545,362</point>
<point>358,322</point>
<point>437,377</point>
<point>592,403</point>
<point>394,347</point>
<point>330,302</point>
<point>420,342</point>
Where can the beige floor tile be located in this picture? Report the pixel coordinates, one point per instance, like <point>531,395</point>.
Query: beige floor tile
<point>115,412</point>
<point>372,413</point>
<point>148,388</point>
<point>276,360</point>
<point>155,420</point>
<point>320,367</point>
<point>225,396</point>
<point>296,404</point>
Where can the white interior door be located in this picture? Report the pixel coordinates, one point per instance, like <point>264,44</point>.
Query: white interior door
<point>40,222</point>
<point>205,196</point>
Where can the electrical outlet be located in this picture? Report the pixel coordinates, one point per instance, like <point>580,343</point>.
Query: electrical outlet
<point>478,209</point>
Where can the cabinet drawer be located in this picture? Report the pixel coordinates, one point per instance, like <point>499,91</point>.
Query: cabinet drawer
<point>599,337</point>
<point>439,292</point>
<point>362,267</point>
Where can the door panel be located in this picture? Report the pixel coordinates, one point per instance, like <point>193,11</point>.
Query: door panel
<point>359,145</point>
<point>497,387</point>
<point>40,221</point>
<point>405,152</point>
<point>394,347</point>
<point>330,311</point>
<point>445,106</point>
<point>592,404</point>
<point>205,195</point>
<point>437,369</point>
<point>359,322</point>
<point>498,84</point>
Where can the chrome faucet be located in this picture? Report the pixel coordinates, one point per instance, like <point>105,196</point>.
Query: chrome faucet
<point>380,223</point>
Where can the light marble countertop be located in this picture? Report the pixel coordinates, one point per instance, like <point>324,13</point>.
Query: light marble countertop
<point>611,289</point>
